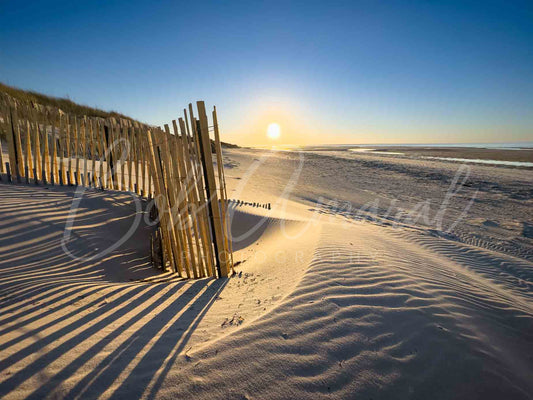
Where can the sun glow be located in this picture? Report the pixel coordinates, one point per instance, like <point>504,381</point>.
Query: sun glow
<point>273,131</point>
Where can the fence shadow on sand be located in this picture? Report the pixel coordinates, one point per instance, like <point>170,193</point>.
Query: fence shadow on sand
<point>81,327</point>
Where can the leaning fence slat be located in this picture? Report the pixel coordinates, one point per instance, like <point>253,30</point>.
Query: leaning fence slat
<point>92,146</point>
<point>99,145</point>
<point>37,152</point>
<point>206,229</point>
<point>180,202</point>
<point>177,203</point>
<point>68,149</point>
<point>18,143</point>
<point>29,159</point>
<point>131,152</point>
<point>2,170</point>
<point>161,200</point>
<point>113,142</point>
<point>12,153</point>
<point>222,189</point>
<point>129,155</point>
<point>142,140</point>
<point>137,157</point>
<point>122,152</point>
<point>192,201</point>
<point>106,138</point>
<point>189,191</point>
<point>46,152</point>
<point>170,192</point>
<point>55,127</point>
<point>4,132</point>
<point>150,185</point>
<point>218,232</point>
<point>34,133</point>
<point>84,152</point>
<point>76,130</point>
<point>63,147</point>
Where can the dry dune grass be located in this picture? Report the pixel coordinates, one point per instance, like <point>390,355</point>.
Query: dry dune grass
<point>64,104</point>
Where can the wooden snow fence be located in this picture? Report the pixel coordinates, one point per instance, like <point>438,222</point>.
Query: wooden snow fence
<point>172,165</point>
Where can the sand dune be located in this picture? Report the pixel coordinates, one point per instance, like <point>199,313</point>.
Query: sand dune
<point>368,321</point>
<point>325,303</point>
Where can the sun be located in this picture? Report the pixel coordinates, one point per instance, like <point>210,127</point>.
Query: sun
<point>273,131</point>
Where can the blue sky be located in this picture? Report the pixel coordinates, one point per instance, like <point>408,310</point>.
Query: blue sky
<point>327,72</point>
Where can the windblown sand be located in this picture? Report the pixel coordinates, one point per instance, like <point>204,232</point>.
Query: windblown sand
<point>333,297</point>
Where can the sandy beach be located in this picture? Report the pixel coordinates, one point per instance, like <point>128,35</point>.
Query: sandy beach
<point>266,200</point>
<point>370,277</point>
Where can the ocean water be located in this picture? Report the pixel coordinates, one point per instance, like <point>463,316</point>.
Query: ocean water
<point>508,146</point>
<point>478,161</point>
<point>501,146</point>
<point>375,149</point>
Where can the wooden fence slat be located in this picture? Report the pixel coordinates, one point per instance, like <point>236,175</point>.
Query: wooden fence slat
<point>228,247</point>
<point>117,137</point>
<point>120,156</point>
<point>12,153</point>
<point>168,242</point>
<point>76,130</point>
<point>169,179</point>
<point>46,151</point>
<point>137,158</point>
<point>84,152</point>
<point>3,131</point>
<point>129,129</point>
<point>132,157</point>
<point>2,168</point>
<point>37,151</point>
<point>140,160</point>
<point>113,154</point>
<point>18,143</point>
<point>161,200</point>
<point>100,153</point>
<point>32,127</point>
<point>63,123</point>
<point>150,185</point>
<point>122,152</point>
<point>68,149</point>
<point>107,153</point>
<point>217,229</point>
<point>179,203</point>
<point>99,145</point>
<point>206,229</point>
<point>29,159</point>
<point>190,197</point>
<point>56,139</point>
<point>92,145</point>
<point>131,152</point>
<point>171,193</point>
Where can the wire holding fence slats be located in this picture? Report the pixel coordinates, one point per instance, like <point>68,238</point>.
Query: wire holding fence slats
<point>46,146</point>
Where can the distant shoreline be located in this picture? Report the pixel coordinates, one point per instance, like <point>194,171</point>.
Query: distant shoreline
<point>483,155</point>
<point>502,154</point>
<point>499,145</point>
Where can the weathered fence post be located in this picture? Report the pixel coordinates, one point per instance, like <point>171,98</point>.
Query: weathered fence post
<point>212,198</point>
